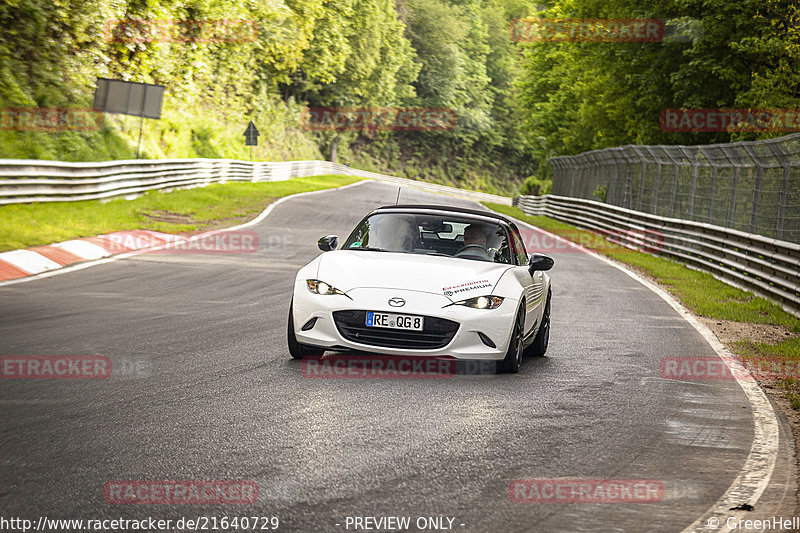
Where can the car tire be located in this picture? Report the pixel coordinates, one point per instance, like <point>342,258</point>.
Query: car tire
<point>513,359</point>
<point>542,340</point>
<point>297,350</point>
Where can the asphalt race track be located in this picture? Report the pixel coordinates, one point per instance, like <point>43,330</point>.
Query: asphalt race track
<point>203,388</point>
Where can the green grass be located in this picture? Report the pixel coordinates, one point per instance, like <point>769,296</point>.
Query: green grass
<point>790,347</point>
<point>700,292</point>
<point>180,211</point>
<point>787,352</point>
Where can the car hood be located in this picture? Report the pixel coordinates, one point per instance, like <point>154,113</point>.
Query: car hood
<point>452,277</point>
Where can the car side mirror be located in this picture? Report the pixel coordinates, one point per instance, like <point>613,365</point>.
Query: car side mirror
<point>539,262</point>
<point>328,243</point>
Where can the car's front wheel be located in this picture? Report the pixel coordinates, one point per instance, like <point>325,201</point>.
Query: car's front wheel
<point>540,343</point>
<point>513,359</point>
<point>297,350</point>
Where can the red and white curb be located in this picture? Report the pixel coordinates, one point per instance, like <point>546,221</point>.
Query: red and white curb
<point>19,266</point>
<point>22,263</point>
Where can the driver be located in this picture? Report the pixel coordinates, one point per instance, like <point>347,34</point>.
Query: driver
<point>475,240</point>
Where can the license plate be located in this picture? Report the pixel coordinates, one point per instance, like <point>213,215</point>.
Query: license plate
<point>390,320</point>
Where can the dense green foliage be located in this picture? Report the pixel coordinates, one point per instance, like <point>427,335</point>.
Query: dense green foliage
<point>582,96</point>
<point>344,53</point>
<point>515,103</point>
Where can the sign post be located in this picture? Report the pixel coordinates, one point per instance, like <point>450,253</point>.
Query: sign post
<point>141,100</point>
<point>251,137</point>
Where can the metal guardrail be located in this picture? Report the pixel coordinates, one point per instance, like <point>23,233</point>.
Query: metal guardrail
<point>768,267</point>
<point>25,181</point>
<point>751,186</point>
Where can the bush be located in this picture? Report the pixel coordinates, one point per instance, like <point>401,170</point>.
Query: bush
<point>600,192</point>
<point>534,186</point>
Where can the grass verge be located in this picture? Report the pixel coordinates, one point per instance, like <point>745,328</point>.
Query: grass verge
<point>752,327</point>
<point>179,211</point>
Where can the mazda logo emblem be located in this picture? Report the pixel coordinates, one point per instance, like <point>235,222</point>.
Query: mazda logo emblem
<point>397,302</point>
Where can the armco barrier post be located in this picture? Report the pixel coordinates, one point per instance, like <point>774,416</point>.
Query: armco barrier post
<point>786,164</point>
<point>757,189</point>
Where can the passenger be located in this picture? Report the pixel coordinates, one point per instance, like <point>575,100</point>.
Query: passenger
<point>395,234</point>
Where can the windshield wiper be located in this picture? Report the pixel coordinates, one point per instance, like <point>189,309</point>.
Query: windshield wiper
<point>437,253</point>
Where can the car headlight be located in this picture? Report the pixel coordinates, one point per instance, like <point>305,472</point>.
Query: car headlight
<point>481,302</point>
<point>320,287</point>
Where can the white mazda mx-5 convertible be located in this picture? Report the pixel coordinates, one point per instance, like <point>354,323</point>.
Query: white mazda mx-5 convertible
<point>414,280</point>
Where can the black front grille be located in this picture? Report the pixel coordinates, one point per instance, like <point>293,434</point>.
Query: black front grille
<point>436,333</point>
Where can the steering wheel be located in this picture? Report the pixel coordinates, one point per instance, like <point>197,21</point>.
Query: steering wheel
<point>468,246</point>
<point>473,250</point>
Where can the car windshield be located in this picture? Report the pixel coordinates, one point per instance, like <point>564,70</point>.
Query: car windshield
<point>425,234</point>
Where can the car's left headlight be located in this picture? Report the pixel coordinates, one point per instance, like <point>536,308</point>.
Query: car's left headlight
<point>481,302</point>
<point>320,287</point>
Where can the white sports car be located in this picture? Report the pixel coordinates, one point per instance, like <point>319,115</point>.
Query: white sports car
<point>415,280</point>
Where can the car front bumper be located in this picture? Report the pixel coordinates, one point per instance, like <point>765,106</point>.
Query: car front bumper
<point>495,324</point>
